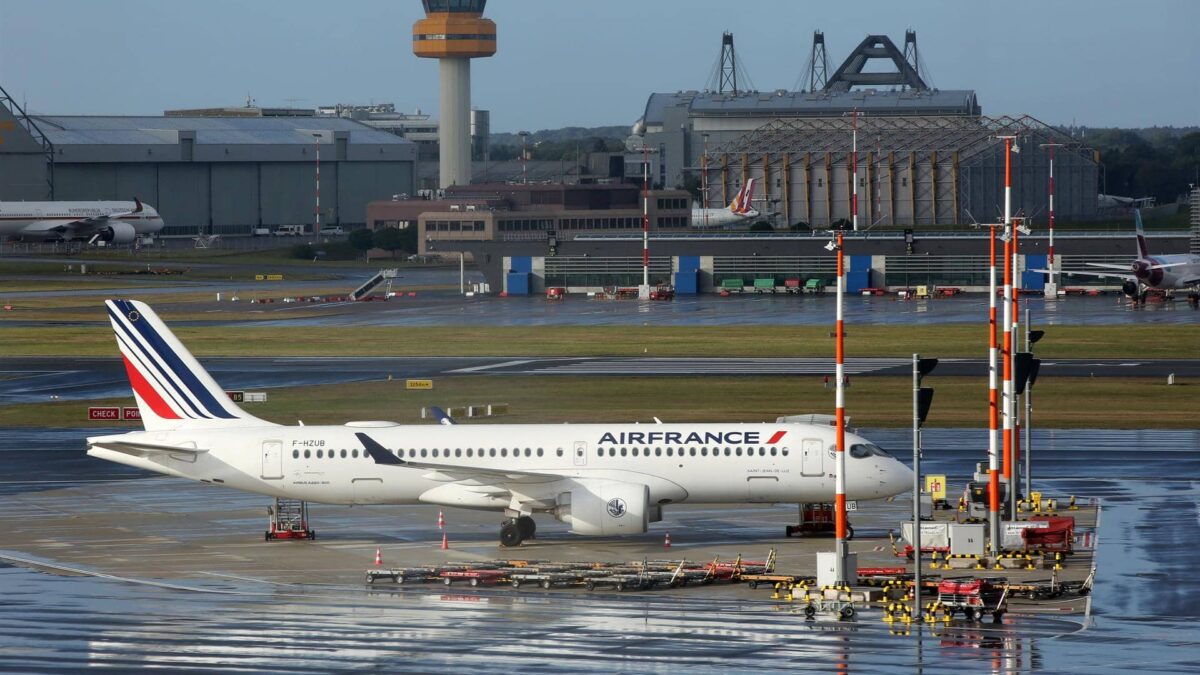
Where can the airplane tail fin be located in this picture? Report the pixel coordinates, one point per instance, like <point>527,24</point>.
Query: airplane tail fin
<point>748,200</point>
<point>735,206</point>
<point>172,389</point>
<point>1143,252</point>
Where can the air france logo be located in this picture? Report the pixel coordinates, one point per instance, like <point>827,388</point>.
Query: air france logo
<point>692,438</point>
<point>616,507</point>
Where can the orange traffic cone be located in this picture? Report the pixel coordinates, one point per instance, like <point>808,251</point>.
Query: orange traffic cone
<point>667,541</point>
<point>378,556</point>
<point>445,542</point>
<point>441,521</point>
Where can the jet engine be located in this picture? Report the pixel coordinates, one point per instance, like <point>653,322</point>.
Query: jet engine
<point>117,232</point>
<point>604,507</point>
<point>1130,288</point>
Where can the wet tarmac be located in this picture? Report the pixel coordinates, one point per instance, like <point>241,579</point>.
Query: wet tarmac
<point>1142,617</point>
<point>41,379</point>
<point>439,309</point>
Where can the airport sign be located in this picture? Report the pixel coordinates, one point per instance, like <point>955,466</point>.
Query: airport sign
<point>130,413</point>
<point>104,413</point>
<point>418,384</point>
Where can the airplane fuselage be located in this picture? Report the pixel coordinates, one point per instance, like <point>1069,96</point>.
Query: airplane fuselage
<point>54,220</point>
<point>720,217</point>
<point>702,463</point>
<point>1167,272</point>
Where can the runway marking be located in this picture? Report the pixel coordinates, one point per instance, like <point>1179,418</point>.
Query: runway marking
<point>490,366</point>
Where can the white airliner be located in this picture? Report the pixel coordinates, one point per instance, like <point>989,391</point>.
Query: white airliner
<point>601,479</point>
<point>1161,272</point>
<point>110,222</point>
<point>741,208</point>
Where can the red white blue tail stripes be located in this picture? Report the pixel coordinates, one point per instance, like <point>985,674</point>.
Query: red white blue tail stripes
<point>170,385</point>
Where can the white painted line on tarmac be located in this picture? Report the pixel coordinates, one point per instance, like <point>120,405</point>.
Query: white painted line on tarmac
<point>490,366</point>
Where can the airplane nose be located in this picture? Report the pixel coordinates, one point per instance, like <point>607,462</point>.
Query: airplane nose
<point>899,478</point>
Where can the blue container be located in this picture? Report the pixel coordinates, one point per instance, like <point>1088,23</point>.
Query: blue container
<point>1034,281</point>
<point>518,283</point>
<point>858,280</point>
<point>686,283</point>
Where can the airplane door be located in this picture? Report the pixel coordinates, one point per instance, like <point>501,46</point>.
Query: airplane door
<point>811,457</point>
<point>272,459</point>
<point>580,453</point>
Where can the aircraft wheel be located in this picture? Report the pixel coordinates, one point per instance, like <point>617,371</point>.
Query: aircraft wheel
<point>546,584</point>
<point>510,534</point>
<point>474,581</point>
<point>527,527</point>
<point>849,532</point>
<point>847,612</point>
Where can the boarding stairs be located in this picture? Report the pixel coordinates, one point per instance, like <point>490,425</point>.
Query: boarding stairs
<point>380,277</point>
<point>289,520</point>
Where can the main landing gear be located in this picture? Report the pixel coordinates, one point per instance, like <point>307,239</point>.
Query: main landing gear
<point>516,530</point>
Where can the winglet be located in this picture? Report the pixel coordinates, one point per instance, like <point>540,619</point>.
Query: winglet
<point>441,416</point>
<point>380,454</point>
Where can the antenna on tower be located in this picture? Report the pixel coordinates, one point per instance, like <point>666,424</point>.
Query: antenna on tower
<point>818,67</point>
<point>728,71</point>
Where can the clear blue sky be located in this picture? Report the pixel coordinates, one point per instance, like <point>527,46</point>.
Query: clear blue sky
<point>567,62</point>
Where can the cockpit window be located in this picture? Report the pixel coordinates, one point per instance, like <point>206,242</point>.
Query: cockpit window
<point>864,450</point>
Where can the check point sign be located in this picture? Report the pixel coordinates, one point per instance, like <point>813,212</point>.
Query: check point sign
<point>114,413</point>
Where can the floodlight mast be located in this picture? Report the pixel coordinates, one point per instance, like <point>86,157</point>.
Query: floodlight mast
<point>840,548</point>
<point>1006,325</point>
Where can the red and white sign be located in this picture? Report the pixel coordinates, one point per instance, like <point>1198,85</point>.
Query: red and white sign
<point>104,413</point>
<point>128,413</point>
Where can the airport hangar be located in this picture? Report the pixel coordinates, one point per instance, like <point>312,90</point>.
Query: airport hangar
<point>207,175</point>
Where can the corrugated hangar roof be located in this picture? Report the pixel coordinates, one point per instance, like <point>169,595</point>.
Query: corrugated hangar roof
<point>122,130</point>
<point>800,103</point>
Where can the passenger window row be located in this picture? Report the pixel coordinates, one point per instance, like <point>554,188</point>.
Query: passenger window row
<point>413,453</point>
<point>692,452</point>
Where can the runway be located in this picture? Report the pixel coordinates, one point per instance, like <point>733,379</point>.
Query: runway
<point>39,379</point>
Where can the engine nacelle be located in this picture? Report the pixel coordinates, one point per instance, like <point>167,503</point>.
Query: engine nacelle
<point>604,507</point>
<point>117,232</point>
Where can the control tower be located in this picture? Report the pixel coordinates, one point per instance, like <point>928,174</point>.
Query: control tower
<point>454,32</point>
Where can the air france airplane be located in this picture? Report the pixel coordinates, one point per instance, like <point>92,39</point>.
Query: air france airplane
<point>110,222</point>
<point>601,479</point>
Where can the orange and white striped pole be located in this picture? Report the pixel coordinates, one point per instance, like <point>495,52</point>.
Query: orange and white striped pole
<point>1006,326</point>
<point>993,406</point>
<point>840,420</point>
<point>1014,410</point>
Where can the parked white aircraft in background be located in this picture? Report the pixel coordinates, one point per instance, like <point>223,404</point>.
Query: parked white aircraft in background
<point>601,479</point>
<point>1161,272</point>
<point>110,222</point>
<point>741,208</point>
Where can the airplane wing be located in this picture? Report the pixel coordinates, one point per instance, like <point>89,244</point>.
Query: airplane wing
<point>449,473</point>
<point>141,449</point>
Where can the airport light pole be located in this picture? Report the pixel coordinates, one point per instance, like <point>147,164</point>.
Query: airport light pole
<point>1006,325</point>
<point>854,170</point>
<point>993,407</point>
<point>922,399</point>
<point>1014,409</point>
<point>644,291</point>
<point>1050,189</point>
<point>1031,338</point>
<point>840,544</point>
<point>317,208</point>
<point>704,181</point>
